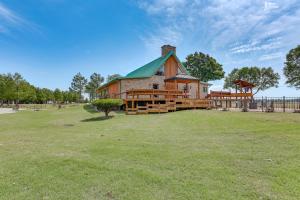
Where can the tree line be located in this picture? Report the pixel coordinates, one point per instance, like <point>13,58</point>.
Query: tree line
<point>14,89</point>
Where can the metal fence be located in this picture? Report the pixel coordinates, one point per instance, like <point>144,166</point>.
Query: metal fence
<point>262,104</point>
<point>276,104</point>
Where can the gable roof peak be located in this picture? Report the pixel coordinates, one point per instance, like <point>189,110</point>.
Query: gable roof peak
<point>152,67</point>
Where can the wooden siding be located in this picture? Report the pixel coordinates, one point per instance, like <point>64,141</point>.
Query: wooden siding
<point>171,67</point>
<point>114,89</point>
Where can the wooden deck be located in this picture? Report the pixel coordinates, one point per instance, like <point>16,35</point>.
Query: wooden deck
<point>144,101</point>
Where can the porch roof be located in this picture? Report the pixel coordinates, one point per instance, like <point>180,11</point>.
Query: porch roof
<point>243,84</point>
<point>182,78</point>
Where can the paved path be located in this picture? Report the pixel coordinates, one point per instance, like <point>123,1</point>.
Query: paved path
<point>6,110</point>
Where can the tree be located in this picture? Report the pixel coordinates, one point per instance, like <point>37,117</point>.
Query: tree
<point>65,96</point>
<point>2,88</point>
<point>204,67</point>
<point>26,92</point>
<point>95,82</point>
<point>107,105</point>
<point>78,84</point>
<point>262,78</point>
<point>48,94</point>
<point>70,96</point>
<point>58,97</point>
<point>292,67</point>
<point>8,88</point>
<point>112,77</point>
<point>40,96</point>
<point>18,80</point>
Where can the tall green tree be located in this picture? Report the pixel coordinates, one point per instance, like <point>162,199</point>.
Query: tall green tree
<point>204,67</point>
<point>58,96</point>
<point>8,92</point>
<point>112,77</point>
<point>18,80</point>
<point>48,94</point>
<point>40,96</point>
<point>2,88</point>
<point>78,84</point>
<point>13,88</point>
<point>95,82</point>
<point>292,68</point>
<point>26,92</point>
<point>263,78</point>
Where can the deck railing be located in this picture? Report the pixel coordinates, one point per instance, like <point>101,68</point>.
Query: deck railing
<point>155,94</point>
<point>225,94</point>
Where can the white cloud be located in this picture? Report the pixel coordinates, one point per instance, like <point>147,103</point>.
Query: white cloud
<point>271,56</point>
<point>230,27</point>
<point>256,45</point>
<point>9,16</point>
<point>269,6</point>
<point>169,7</point>
<point>11,20</point>
<point>167,35</point>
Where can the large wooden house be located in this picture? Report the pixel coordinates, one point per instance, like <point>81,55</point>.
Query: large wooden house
<point>164,73</point>
<point>163,82</point>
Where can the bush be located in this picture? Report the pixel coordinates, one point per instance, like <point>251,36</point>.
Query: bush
<point>107,105</point>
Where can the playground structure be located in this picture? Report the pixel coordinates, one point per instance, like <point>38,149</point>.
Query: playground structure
<point>241,98</point>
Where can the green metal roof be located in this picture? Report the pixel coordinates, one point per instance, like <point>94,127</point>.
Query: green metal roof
<point>149,69</point>
<point>109,82</point>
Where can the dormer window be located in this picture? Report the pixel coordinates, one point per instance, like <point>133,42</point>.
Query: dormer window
<point>160,72</point>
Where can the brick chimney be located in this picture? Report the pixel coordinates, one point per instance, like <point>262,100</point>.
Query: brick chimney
<point>166,48</point>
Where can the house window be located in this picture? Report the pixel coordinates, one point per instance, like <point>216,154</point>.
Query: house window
<point>205,89</point>
<point>155,86</point>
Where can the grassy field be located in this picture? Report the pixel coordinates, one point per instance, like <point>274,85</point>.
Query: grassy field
<point>74,154</point>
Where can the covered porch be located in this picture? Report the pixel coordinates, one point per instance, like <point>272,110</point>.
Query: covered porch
<point>184,83</point>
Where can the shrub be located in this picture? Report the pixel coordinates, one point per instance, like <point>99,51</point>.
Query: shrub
<point>107,105</point>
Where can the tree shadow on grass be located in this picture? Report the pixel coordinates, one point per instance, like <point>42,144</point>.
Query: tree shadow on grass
<point>94,119</point>
<point>89,108</point>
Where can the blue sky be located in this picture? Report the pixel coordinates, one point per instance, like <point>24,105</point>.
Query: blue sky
<point>48,41</point>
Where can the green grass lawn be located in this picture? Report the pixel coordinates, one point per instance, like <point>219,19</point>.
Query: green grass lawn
<point>73,154</point>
